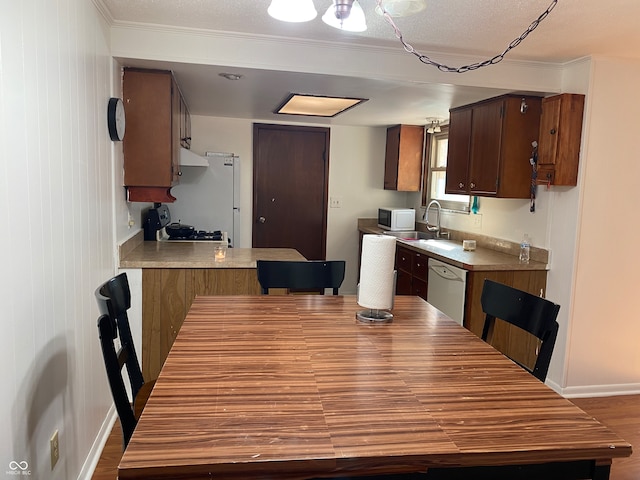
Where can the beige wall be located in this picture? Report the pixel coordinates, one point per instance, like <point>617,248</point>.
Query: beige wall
<point>602,351</point>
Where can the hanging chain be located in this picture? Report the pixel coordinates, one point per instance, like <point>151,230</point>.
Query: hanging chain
<point>474,66</point>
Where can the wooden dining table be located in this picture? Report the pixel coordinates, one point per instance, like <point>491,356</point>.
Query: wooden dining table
<point>294,387</point>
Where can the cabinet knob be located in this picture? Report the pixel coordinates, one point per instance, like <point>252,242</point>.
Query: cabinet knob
<point>262,219</point>
<point>472,185</point>
<point>552,131</point>
<point>179,173</point>
<point>461,185</point>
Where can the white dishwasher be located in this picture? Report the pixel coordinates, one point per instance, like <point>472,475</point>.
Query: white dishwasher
<point>446,288</point>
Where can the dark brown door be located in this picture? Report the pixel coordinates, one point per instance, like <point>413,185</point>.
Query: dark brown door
<point>290,185</point>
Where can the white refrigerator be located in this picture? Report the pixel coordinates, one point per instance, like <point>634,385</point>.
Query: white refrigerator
<point>208,197</point>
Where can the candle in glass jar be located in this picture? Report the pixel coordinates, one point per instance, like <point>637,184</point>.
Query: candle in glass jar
<point>220,252</point>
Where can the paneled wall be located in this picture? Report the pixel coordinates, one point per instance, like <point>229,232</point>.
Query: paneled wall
<point>56,193</point>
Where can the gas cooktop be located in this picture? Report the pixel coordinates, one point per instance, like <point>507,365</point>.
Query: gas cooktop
<point>200,235</point>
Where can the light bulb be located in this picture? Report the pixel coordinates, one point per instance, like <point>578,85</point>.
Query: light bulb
<point>292,10</point>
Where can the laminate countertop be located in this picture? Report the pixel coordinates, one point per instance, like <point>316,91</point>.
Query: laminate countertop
<point>451,252</point>
<point>200,255</point>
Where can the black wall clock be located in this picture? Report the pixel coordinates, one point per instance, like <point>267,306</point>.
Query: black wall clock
<point>115,119</point>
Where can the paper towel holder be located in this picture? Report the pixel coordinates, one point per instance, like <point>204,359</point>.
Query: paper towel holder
<point>377,315</point>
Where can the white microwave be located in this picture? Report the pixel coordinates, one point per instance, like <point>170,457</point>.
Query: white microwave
<point>395,219</point>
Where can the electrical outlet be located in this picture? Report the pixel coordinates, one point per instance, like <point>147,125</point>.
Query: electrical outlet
<point>335,202</point>
<point>55,449</point>
<point>477,220</point>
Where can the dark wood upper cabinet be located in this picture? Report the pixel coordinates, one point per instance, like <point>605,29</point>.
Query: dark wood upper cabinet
<point>490,144</point>
<point>560,136</point>
<point>156,122</point>
<point>403,158</point>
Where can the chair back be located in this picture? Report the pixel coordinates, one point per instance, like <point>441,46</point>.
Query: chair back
<point>304,275</point>
<point>114,299</point>
<point>114,360</point>
<point>533,314</point>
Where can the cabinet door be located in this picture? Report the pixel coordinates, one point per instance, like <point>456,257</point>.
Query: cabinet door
<point>419,275</point>
<point>419,288</point>
<point>391,158</point>
<point>520,128</point>
<point>459,151</point>
<point>486,138</point>
<point>404,259</point>
<point>549,122</point>
<point>560,136</point>
<point>403,158</point>
<point>147,145</point>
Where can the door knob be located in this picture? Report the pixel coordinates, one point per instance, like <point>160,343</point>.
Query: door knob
<point>262,219</point>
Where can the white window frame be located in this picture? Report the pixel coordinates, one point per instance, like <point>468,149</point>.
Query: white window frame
<point>455,203</point>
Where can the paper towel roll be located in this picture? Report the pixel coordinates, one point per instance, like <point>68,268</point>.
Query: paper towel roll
<point>376,272</point>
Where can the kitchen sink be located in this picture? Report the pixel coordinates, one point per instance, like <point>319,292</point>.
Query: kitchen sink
<point>413,235</point>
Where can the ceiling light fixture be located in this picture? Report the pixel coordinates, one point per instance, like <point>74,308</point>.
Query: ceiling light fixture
<point>292,10</point>
<point>434,126</point>
<point>316,105</point>
<point>401,8</point>
<point>346,15</point>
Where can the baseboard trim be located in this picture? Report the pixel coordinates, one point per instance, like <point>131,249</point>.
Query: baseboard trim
<point>93,457</point>
<point>597,390</point>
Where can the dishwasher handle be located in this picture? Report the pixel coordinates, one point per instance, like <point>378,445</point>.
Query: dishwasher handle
<point>445,273</point>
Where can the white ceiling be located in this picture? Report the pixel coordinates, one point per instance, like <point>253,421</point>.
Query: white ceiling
<point>482,28</point>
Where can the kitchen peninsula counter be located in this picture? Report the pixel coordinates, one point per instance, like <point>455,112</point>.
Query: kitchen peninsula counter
<point>200,255</point>
<point>174,273</point>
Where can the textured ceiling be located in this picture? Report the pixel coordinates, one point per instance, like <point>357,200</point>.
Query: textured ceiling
<point>483,28</point>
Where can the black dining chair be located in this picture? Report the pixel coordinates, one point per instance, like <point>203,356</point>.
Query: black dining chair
<point>114,299</point>
<point>308,275</point>
<point>533,314</point>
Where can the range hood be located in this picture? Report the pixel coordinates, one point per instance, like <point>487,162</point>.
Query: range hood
<point>190,159</point>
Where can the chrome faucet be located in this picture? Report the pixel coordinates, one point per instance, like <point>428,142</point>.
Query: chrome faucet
<point>433,228</point>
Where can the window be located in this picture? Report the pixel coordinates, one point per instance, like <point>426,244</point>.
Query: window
<point>436,172</point>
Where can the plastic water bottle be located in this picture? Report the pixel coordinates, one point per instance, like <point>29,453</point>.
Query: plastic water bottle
<point>524,249</point>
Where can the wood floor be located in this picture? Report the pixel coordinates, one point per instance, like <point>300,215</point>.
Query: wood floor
<point>621,414</point>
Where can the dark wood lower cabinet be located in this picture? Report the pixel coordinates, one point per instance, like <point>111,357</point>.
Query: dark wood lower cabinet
<point>167,294</point>
<point>412,272</point>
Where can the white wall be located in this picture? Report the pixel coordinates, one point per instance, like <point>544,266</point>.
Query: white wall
<point>57,195</point>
